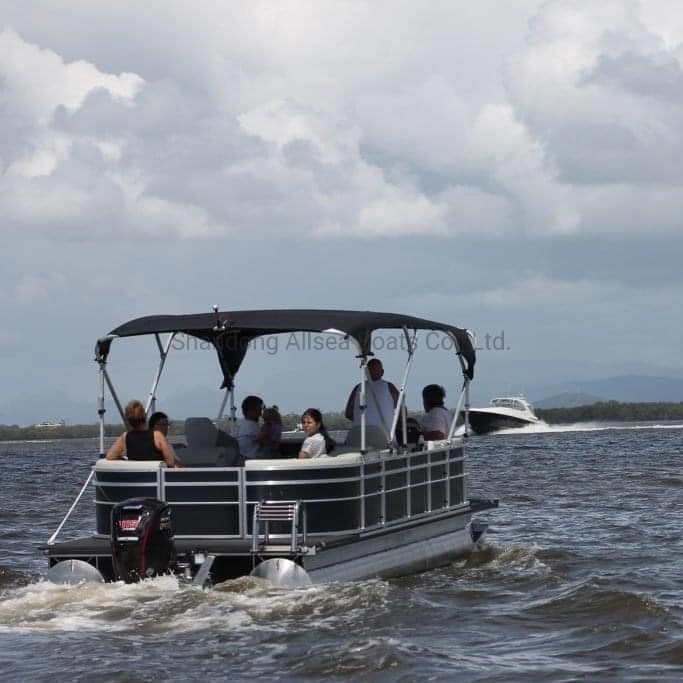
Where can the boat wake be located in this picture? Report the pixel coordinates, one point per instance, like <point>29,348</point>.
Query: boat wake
<point>514,560</point>
<point>166,605</point>
<point>543,427</point>
<point>12,578</point>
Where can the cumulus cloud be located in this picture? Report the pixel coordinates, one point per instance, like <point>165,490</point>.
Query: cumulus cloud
<point>421,156</point>
<point>36,85</point>
<point>600,91</point>
<point>395,138</point>
<point>36,81</point>
<point>69,170</point>
<point>283,148</point>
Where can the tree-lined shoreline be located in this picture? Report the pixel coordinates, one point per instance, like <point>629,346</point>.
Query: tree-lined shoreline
<point>607,411</point>
<point>613,411</point>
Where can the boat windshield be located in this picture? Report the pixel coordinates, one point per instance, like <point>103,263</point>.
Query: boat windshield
<point>514,403</point>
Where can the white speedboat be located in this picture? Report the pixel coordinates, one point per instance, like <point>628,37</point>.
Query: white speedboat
<point>506,412</point>
<point>382,506</point>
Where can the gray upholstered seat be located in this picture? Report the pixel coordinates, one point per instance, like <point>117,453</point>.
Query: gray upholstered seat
<point>207,446</point>
<point>375,438</point>
<point>200,431</point>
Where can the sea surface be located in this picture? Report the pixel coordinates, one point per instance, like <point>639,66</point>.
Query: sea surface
<point>582,579</point>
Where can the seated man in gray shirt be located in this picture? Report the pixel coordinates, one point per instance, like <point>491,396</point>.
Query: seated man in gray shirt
<point>248,430</point>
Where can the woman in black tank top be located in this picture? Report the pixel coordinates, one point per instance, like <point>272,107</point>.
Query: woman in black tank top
<point>140,443</point>
<point>140,446</point>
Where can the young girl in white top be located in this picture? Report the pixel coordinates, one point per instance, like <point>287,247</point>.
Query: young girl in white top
<point>318,442</point>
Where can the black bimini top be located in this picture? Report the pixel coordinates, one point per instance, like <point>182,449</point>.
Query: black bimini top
<point>231,331</point>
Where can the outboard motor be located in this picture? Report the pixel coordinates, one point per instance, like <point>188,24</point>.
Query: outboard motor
<point>141,539</point>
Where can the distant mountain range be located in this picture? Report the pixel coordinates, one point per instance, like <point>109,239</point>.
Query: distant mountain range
<point>56,405</point>
<point>623,388</point>
<point>567,400</point>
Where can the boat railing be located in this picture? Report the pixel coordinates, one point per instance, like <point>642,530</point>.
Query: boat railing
<point>351,493</point>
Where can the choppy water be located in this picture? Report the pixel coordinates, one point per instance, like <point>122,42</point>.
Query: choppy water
<point>582,580</point>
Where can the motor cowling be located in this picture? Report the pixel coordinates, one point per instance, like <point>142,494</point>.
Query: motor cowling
<point>141,539</point>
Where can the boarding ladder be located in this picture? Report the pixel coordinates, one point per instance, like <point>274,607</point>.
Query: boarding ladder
<point>279,512</point>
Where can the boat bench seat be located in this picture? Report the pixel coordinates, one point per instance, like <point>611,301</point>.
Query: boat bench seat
<point>123,464</point>
<point>346,450</point>
<point>344,458</point>
<point>208,456</point>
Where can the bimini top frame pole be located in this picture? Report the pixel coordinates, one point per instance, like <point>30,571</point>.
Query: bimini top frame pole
<point>163,353</point>
<point>229,394</point>
<point>105,379</point>
<point>399,410</point>
<point>228,376</point>
<point>464,393</point>
<point>362,400</point>
<point>101,360</point>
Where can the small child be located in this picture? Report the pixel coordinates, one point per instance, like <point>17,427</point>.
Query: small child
<point>271,431</point>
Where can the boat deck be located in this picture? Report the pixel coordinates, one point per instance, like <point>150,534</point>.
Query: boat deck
<point>101,546</point>
<point>232,557</point>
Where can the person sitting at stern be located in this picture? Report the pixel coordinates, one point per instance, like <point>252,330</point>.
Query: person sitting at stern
<point>160,422</point>
<point>139,442</point>
<point>249,430</point>
<point>436,424</point>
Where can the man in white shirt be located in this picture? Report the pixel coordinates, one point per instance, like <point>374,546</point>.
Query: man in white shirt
<point>436,424</point>
<point>381,398</point>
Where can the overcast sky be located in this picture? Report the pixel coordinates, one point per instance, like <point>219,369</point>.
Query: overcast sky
<point>510,167</point>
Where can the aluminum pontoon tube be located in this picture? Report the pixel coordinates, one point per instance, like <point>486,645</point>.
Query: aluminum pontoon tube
<point>282,572</point>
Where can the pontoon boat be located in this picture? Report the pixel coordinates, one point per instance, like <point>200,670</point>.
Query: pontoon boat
<point>380,505</point>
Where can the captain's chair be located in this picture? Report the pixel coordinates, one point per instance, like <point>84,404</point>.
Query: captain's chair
<point>200,432</point>
<point>375,438</point>
<point>203,449</point>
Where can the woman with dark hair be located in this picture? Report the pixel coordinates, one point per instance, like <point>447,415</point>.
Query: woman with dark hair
<point>140,443</point>
<point>436,424</point>
<point>318,443</point>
